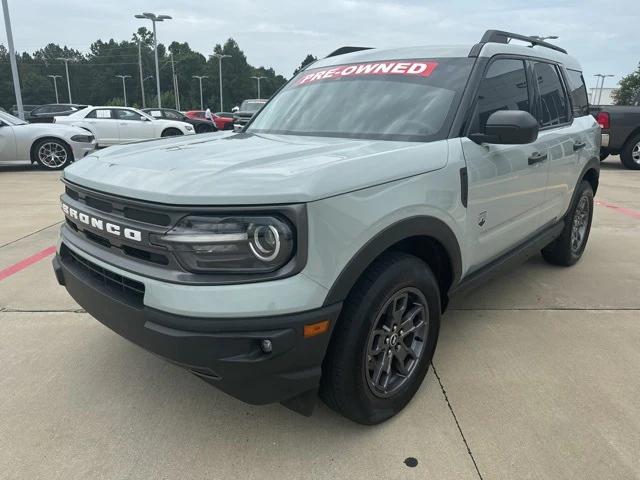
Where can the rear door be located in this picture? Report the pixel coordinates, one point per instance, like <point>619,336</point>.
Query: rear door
<point>564,133</point>
<point>506,182</point>
<point>103,124</point>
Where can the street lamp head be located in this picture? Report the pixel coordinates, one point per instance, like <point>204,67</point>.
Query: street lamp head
<point>164,17</point>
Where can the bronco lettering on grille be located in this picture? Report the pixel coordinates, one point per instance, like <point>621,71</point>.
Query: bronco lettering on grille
<point>101,225</point>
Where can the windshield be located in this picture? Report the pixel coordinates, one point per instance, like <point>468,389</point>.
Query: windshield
<point>10,119</point>
<point>251,106</point>
<point>407,100</point>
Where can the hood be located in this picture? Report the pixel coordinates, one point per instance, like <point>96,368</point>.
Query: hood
<point>241,169</point>
<point>54,129</point>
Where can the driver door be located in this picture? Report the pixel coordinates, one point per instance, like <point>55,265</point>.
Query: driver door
<point>133,126</point>
<point>506,182</point>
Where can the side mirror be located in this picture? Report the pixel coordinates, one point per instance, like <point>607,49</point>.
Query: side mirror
<point>508,127</point>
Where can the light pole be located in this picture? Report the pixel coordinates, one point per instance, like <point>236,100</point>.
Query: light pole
<point>220,56</point>
<point>258,78</point>
<point>200,77</point>
<point>155,18</point>
<point>66,68</point>
<point>124,86</point>
<point>12,57</point>
<point>55,84</point>
<point>602,77</point>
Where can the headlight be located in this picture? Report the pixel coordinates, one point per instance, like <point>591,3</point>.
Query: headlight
<point>188,128</point>
<point>230,244</point>
<point>82,138</point>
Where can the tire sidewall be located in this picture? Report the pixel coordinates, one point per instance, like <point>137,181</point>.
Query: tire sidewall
<point>585,190</point>
<point>626,156</point>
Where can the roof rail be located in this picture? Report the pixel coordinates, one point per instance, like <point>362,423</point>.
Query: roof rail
<point>343,50</point>
<point>499,36</point>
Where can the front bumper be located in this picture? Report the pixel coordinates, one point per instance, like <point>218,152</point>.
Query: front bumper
<point>225,352</point>
<point>81,150</point>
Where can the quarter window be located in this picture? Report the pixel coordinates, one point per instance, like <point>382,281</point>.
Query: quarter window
<point>504,87</point>
<point>578,90</point>
<point>553,101</point>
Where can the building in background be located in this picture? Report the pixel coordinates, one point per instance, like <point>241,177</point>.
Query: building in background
<point>605,99</point>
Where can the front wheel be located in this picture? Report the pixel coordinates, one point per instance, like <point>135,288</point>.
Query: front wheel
<point>171,132</point>
<point>384,340</point>
<point>51,153</point>
<point>568,248</point>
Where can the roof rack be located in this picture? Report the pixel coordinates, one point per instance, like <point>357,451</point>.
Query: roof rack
<point>499,36</point>
<point>343,50</point>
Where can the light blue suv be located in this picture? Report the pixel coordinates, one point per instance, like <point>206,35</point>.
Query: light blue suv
<point>315,251</point>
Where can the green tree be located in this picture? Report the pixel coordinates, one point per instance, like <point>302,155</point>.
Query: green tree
<point>628,92</point>
<point>307,60</point>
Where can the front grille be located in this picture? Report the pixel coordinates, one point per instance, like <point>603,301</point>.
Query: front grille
<point>124,288</point>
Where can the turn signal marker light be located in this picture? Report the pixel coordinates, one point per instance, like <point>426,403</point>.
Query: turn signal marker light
<point>315,329</point>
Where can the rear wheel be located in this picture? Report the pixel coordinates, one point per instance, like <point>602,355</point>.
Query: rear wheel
<point>384,342</point>
<point>51,153</point>
<point>630,154</point>
<point>171,132</point>
<point>568,248</point>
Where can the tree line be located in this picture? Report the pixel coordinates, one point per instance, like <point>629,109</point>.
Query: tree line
<point>94,82</point>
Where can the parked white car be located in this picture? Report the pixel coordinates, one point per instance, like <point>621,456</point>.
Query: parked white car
<point>115,125</point>
<point>52,146</point>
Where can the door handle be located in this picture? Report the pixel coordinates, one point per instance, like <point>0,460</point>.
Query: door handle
<point>537,157</point>
<point>579,146</point>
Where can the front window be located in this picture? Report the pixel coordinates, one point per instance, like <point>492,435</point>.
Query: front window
<point>251,105</point>
<point>407,100</point>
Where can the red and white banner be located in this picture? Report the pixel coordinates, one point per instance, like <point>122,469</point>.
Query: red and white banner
<point>391,67</point>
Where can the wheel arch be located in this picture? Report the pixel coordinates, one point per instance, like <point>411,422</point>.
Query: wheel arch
<point>35,142</point>
<point>428,238</point>
<point>629,138</point>
<point>590,173</point>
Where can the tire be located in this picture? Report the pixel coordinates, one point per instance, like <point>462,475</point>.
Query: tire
<point>567,249</point>
<point>604,154</point>
<point>205,129</point>
<point>171,132</point>
<point>348,383</point>
<point>630,154</point>
<point>51,154</point>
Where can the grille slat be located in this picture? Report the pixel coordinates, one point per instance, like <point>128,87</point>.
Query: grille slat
<point>130,290</point>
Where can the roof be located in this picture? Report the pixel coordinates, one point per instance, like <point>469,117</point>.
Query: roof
<point>444,51</point>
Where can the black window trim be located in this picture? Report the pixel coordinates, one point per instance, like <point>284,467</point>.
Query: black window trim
<point>473,104</point>
<point>538,100</point>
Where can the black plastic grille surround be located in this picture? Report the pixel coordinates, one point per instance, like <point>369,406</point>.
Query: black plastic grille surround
<point>126,289</point>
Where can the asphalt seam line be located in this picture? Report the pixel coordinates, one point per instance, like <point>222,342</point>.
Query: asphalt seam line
<point>466,444</point>
<point>29,234</point>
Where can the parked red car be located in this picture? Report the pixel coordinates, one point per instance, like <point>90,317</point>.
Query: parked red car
<point>222,120</point>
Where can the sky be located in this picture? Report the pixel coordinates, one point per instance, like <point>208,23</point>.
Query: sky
<point>603,36</point>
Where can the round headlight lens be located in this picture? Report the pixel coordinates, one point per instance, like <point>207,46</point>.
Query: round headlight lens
<point>265,242</point>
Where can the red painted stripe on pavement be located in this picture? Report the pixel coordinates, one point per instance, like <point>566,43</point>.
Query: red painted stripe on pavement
<point>625,211</point>
<point>22,264</point>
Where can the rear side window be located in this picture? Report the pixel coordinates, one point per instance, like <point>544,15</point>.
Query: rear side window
<point>504,87</point>
<point>553,100</point>
<point>579,95</point>
<point>99,113</point>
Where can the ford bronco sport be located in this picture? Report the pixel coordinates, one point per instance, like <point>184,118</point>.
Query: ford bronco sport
<point>315,251</point>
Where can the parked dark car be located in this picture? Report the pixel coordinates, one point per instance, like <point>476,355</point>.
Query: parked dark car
<point>620,133</point>
<point>45,113</point>
<point>26,108</point>
<point>248,109</point>
<point>199,125</point>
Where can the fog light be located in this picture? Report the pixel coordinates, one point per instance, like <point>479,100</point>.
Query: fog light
<point>266,346</point>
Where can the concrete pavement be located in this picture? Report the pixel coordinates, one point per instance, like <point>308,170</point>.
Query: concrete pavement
<point>537,377</point>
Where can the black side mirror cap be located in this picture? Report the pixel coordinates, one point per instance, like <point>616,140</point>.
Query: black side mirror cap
<point>508,127</point>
